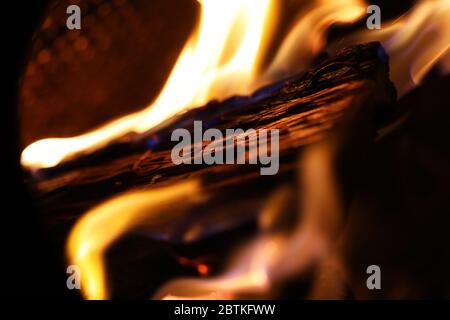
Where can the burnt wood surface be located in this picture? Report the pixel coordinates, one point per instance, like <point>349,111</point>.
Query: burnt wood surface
<point>305,109</point>
<point>302,108</point>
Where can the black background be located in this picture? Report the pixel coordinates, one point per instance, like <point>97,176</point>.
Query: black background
<point>27,260</point>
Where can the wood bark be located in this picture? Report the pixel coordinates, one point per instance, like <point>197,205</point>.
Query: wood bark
<point>303,108</point>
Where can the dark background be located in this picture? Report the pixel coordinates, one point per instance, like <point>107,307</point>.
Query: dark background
<point>27,259</point>
<point>29,263</point>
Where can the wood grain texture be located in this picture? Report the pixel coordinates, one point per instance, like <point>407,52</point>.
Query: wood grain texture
<point>304,109</point>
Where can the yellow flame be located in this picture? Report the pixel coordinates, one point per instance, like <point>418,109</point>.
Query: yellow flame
<point>203,64</point>
<point>307,37</point>
<point>101,226</point>
<point>273,257</point>
<point>221,58</point>
<point>415,42</point>
<point>248,272</point>
<point>254,268</point>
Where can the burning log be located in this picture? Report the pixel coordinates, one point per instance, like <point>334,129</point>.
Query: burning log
<point>327,119</point>
<point>303,108</point>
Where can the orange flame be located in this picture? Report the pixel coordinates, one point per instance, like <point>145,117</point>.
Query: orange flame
<point>415,42</point>
<point>274,257</point>
<point>222,58</point>
<point>308,36</point>
<point>102,225</point>
<point>209,57</point>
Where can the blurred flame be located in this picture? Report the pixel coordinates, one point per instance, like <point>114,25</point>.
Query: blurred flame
<point>221,58</point>
<point>248,272</point>
<point>275,256</point>
<point>102,225</point>
<point>415,42</point>
<point>271,257</point>
<point>308,36</point>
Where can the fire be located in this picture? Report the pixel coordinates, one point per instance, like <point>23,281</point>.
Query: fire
<point>415,42</point>
<point>274,256</point>
<point>310,31</point>
<point>224,49</point>
<point>223,57</point>
<point>102,225</point>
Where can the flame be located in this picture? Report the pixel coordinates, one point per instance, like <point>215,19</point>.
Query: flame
<point>274,256</point>
<point>206,60</point>
<point>102,225</point>
<point>308,36</point>
<point>415,42</point>
<point>271,257</point>
<point>221,58</point>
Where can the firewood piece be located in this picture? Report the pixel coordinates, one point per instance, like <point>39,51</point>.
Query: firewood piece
<point>304,109</point>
